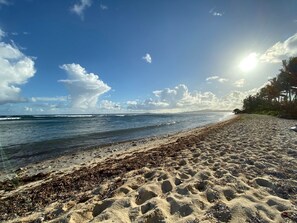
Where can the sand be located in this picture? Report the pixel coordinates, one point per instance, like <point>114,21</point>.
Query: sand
<point>240,170</point>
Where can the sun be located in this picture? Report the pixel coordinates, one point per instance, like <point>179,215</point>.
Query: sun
<point>249,62</point>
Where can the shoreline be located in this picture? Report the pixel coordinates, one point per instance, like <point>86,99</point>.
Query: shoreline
<point>95,154</point>
<point>18,152</point>
<point>206,175</point>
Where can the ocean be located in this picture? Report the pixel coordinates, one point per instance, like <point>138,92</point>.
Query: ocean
<point>28,139</point>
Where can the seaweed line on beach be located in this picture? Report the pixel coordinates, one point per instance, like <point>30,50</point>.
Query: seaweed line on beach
<point>69,186</point>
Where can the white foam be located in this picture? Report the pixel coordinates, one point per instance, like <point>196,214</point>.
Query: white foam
<point>73,116</point>
<point>9,118</point>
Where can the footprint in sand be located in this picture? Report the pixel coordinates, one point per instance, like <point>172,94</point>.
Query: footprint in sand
<point>278,204</point>
<point>201,185</point>
<point>177,181</point>
<point>99,208</point>
<point>179,208</point>
<point>211,195</point>
<point>229,194</point>
<point>147,207</point>
<point>264,182</point>
<point>182,191</point>
<point>144,195</point>
<point>150,174</point>
<point>166,186</point>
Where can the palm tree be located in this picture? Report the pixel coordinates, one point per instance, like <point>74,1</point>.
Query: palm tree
<point>275,89</point>
<point>284,87</point>
<point>288,77</point>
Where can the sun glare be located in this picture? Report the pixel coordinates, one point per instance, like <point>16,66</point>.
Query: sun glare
<point>249,62</point>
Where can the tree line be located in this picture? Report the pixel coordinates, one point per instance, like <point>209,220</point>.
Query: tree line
<point>279,96</point>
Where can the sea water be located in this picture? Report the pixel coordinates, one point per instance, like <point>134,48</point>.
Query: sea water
<point>28,139</point>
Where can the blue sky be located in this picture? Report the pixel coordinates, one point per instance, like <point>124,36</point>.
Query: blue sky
<point>91,56</point>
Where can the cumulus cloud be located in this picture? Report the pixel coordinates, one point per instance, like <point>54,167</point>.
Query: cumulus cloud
<point>217,78</point>
<point>80,7</point>
<point>84,88</point>
<point>281,50</point>
<point>215,13</point>
<point>147,58</point>
<point>16,69</point>
<point>239,83</point>
<point>109,105</point>
<point>235,98</point>
<point>180,98</point>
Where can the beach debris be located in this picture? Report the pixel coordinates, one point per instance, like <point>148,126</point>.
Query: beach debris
<point>84,198</point>
<point>159,193</point>
<point>292,215</point>
<point>15,181</point>
<point>294,128</point>
<point>20,169</point>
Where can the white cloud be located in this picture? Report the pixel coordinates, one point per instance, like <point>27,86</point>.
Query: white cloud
<point>16,69</point>
<point>222,80</point>
<point>181,99</point>
<point>215,13</point>
<point>235,98</point>
<point>132,102</point>
<point>2,34</point>
<point>109,105</point>
<point>212,78</point>
<point>217,78</point>
<point>239,83</point>
<point>49,99</point>
<point>147,58</point>
<point>281,50</point>
<point>84,88</point>
<point>80,7</point>
<point>103,7</point>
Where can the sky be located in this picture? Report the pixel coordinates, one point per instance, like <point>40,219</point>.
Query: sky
<point>116,56</point>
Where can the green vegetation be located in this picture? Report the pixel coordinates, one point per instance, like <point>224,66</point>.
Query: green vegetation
<point>278,97</point>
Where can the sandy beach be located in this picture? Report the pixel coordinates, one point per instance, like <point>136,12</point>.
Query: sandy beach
<point>240,170</point>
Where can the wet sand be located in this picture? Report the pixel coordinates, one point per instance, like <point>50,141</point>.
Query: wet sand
<point>240,170</point>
